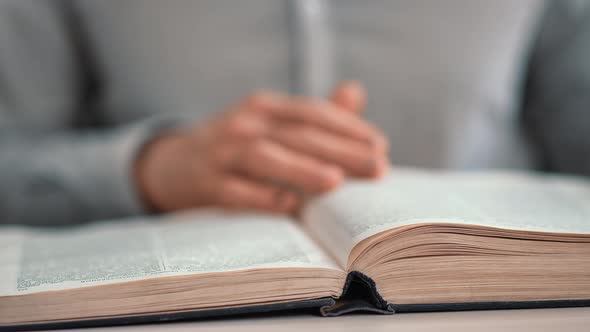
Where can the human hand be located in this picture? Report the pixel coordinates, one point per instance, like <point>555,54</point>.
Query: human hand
<point>263,153</point>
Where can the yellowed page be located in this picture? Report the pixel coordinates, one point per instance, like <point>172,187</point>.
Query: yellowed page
<point>190,243</point>
<point>520,201</point>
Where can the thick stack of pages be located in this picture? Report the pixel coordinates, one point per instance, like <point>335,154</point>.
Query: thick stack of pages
<point>413,241</point>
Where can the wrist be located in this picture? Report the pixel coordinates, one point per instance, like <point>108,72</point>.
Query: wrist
<point>148,166</point>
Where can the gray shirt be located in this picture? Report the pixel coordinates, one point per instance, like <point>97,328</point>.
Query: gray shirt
<point>84,84</point>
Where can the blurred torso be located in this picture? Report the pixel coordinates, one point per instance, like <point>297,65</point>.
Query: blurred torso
<point>443,76</point>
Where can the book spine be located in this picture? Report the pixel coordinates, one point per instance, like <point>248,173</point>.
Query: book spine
<point>359,294</point>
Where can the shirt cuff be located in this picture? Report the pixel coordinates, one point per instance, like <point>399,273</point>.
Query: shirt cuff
<point>114,172</point>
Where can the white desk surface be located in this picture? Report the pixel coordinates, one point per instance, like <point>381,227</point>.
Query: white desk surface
<point>562,320</point>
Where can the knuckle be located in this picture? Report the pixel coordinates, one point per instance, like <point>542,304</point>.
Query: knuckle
<point>258,98</point>
<point>233,124</point>
<point>253,153</point>
<point>260,147</point>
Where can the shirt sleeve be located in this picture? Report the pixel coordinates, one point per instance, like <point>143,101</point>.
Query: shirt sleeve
<point>52,171</point>
<point>556,110</point>
<point>72,177</point>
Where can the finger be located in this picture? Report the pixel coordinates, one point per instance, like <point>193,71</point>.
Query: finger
<point>350,96</point>
<point>262,99</point>
<point>354,157</point>
<point>243,193</point>
<point>242,124</point>
<point>324,115</point>
<point>270,161</point>
<point>237,124</point>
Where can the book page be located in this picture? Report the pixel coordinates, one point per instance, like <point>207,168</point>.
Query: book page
<point>519,201</point>
<point>35,260</point>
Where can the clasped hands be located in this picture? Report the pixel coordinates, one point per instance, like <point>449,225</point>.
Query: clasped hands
<point>267,152</point>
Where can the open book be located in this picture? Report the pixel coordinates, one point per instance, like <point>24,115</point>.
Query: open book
<point>413,241</point>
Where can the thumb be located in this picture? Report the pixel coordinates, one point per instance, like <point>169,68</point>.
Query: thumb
<point>350,95</point>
